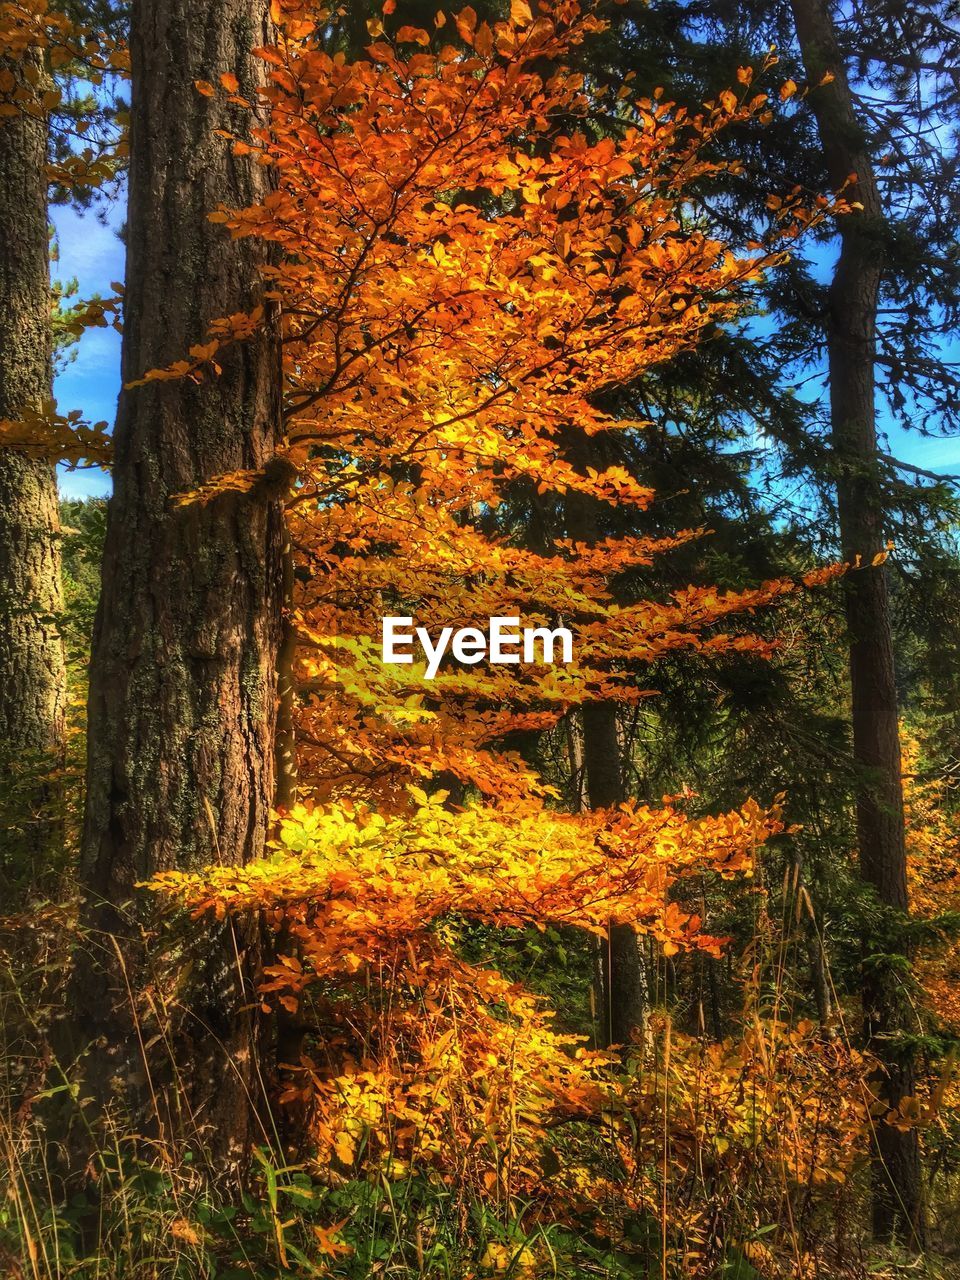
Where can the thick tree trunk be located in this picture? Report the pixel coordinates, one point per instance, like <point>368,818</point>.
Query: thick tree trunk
<point>32,674</point>
<point>183,699</point>
<point>854,296</point>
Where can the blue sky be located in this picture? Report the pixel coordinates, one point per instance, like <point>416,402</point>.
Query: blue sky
<point>91,251</point>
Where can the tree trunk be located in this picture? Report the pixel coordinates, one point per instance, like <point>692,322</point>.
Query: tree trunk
<point>621,976</point>
<point>183,698</point>
<point>624,1002</point>
<point>32,673</point>
<point>854,294</point>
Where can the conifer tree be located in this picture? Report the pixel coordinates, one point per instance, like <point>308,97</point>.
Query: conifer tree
<point>851,324</point>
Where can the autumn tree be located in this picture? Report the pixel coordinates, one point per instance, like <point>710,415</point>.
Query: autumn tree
<point>183,671</point>
<point>425,376</point>
<point>440,349</point>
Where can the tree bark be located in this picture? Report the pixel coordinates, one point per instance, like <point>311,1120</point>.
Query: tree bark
<point>624,999</point>
<point>622,976</point>
<point>183,697</point>
<point>32,671</point>
<point>853,298</point>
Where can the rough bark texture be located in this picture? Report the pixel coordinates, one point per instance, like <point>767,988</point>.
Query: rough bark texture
<point>32,690</point>
<point>183,697</point>
<point>851,335</point>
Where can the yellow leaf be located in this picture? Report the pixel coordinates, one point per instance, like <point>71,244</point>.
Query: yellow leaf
<point>181,1229</point>
<point>728,100</point>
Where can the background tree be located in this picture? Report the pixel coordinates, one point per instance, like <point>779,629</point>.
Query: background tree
<point>851,323</point>
<point>622,983</point>
<point>32,671</point>
<point>882,327</point>
<point>443,353</point>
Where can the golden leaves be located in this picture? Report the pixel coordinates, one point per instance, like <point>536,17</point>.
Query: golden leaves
<point>29,27</point>
<point>412,35</point>
<point>433,1056</point>
<point>466,23</point>
<point>57,437</point>
<point>370,880</point>
<point>327,1237</point>
<point>297,19</point>
<point>441,355</point>
<point>459,342</point>
<point>520,14</point>
<point>728,100</point>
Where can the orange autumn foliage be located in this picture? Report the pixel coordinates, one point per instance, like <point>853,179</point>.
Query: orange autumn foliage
<point>31,27</point>
<point>461,276</point>
<point>425,1065</point>
<point>933,848</point>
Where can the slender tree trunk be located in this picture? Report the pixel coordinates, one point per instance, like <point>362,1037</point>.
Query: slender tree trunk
<point>183,699</point>
<point>622,975</point>
<point>575,760</point>
<point>32,673</point>
<point>624,998</point>
<point>854,296</point>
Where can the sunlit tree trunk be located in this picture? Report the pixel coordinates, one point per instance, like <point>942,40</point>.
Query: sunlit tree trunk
<point>32,674</point>
<point>853,301</point>
<point>183,700</point>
